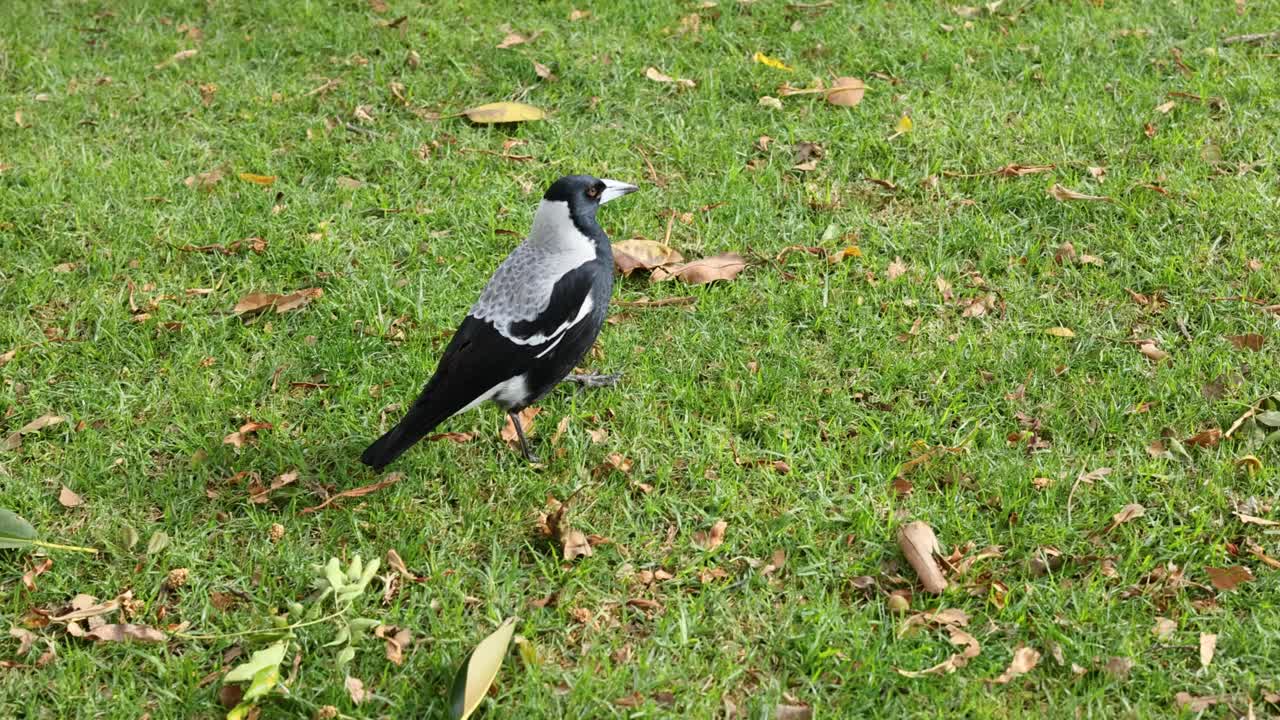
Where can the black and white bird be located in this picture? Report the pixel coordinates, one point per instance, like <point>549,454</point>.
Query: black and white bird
<point>537,317</point>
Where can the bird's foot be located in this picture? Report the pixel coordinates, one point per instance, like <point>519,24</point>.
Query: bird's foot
<point>594,380</point>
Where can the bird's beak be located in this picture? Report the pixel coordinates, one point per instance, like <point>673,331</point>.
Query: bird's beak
<point>614,189</point>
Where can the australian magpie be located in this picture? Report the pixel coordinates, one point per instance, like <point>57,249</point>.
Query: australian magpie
<point>536,318</point>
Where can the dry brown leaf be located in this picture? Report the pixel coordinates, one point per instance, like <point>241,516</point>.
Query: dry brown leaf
<point>958,660</point>
<point>1164,108</point>
<point>355,689</point>
<point>508,432</point>
<point>713,538</point>
<point>177,58</point>
<point>561,428</point>
<point>395,562</point>
<point>575,545</point>
<point>598,436</point>
<point>576,15</point>
<point>896,269</point>
<point>14,441</point>
<point>1063,194</point>
<point>641,254</point>
<point>1118,667</point>
<point>254,303</point>
<point>846,91</point>
<point>122,633</point>
<point>1208,645</point>
<point>204,180</point>
<point>260,495</point>
<point>238,438</point>
<point>919,545</point>
<point>1164,628</point>
<point>1024,661</point>
<point>1098,173</point>
<point>1152,352</point>
<point>29,577</point>
<point>706,270</point>
<point>1015,170</point>
<point>25,639</point>
<point>512,39</point>
<point>1251,520</point>
<point>1229,577</point>
<point>787,711</point>
<point>390,479</point>
<point>657,75</point>
<point>68,499</point>
<point>1197,704</point>
<point>1248,341</point>
<point>1205,438</point>
<point>453,437</point>
<point>6,357</point>
<point>396,640</point>
<point>1127,513</point>
<point>543,71</point>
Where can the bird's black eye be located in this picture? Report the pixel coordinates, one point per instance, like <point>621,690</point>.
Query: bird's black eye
<point>594,191</point>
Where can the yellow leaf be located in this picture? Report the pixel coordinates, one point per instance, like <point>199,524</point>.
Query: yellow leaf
<point>904,125</point>
<point>478,671</point>
<point>1061,332</point>
<point>503,112</point>
<point>772,62</point>
<point>258,179</point>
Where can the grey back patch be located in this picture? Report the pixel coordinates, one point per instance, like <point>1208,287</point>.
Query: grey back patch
<point>521,288</point>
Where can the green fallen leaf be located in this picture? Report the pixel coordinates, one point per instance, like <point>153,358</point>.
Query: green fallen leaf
<point>14,531</point>
<point>478,671</point>
<point>245,672</point>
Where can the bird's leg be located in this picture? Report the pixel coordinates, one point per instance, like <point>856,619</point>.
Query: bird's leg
<point>594,380</point>
<point>524,444</point>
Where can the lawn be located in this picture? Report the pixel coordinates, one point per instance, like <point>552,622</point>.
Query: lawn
<point>991,349</point>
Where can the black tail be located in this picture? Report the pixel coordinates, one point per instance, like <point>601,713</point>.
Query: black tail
<point>416,424</point>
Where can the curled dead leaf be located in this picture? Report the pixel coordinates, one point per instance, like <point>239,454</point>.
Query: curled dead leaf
<point>919,545</point>
<point>125,632</point>
<point>1024,661</point>
<point>705,270</point>
<point>641,254</point>
<point>1229,577</point>
<point>1208,645</point>
<point>68,499</point>
<point>1063,194</point>
<point>713,538</point>
<point>508,433</point>
<point>658,76</point>
<point>846,92</point>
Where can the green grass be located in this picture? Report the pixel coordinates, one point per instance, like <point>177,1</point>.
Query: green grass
<point>840,391</point>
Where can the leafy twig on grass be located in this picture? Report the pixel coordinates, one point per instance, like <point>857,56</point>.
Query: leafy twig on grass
<point>390,480</point>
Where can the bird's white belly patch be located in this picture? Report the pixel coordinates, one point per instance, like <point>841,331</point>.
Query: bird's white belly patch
<point>510,392</point>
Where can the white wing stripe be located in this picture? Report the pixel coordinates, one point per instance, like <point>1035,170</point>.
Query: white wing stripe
<point>558,333</point>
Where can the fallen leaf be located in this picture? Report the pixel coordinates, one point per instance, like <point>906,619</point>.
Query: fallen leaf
<point>1015,170</point>
<point>1205,438</point>
<point>772,62</point>
<point>705,270</point>
<point>1229,577</point>
<point>453,437</point>
<point>919,545</point>
<point>238,438</point>
<point>355,689</point>
<point>957,660</point>
<point>1118,667</point>
<point>14,441</point>
<point>1152,352</point>
<point>1249,341</point>
<point>576,15</point>
<point>478,670</point>
<point>503,112</point>
<point>658,76</point>
<point>511,40</point>
<point>846,92</point>
<point>267,180</point>
<point>1062,194</point>
<point>25,639</point>
<point>792,712</point>
<point>902,127</point>
<point>1127,513</point>
<point>1208,644</point>
<point>896,269</point>
<point>347,183</point>
<point>1164,628</point>
<point>29,577</point>
<point>296,300</point>
<point>122,633</point>
<point>1251,520</point>
<point>543,71</point>
<point>177,58</point>
<point>1098,173</point>
<point>575,545</point>
<point>389,480</point>
<point>259,495</point>
<point>395,639</point>
<point>1197,704</point>
<point>768,101</point>
<point>642,254</point>
<point>204,180</point>
<point>254,303</point>
<point>508,433</point>
<point>1062,332</point>
<point>711,539</point>
<point>68,499</point>
<point>6,357</point>
<point>1164,108</point>
<point>1024,661</point>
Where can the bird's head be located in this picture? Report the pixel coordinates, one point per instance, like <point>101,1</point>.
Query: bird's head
<point>584,193</point>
